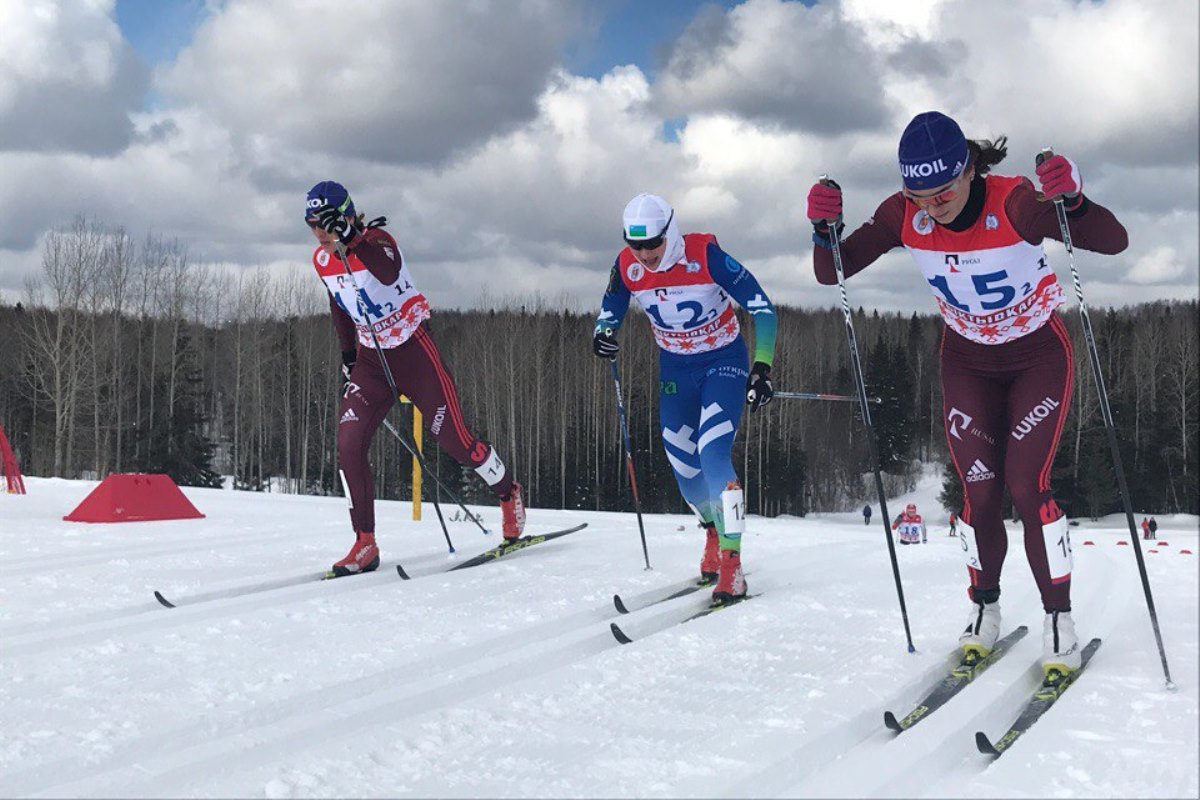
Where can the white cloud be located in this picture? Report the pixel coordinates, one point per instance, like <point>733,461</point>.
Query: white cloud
<point>505,175</point>
<point>1163,264</point>
<point>68,80</point>
<point>782,63</point>
<point>396,81</point>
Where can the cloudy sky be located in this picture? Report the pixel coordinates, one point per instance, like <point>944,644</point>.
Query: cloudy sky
<point>503,138</point>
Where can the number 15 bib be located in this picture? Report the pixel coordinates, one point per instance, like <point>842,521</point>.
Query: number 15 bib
<point>991,285</point>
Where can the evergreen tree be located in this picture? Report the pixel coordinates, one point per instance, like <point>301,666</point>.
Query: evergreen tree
<point>179,445</point>
<point>889,380</point>
<point>951,495</point>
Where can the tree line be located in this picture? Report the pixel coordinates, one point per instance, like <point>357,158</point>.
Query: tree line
<point>124,356</point>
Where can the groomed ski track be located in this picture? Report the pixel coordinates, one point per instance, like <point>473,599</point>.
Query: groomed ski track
<point>504,680</point>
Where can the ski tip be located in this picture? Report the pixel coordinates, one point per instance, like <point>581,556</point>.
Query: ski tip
<point>400,571</point>
<point>619,634</point>
<point>985,744</point>
<point>165,602</point>
<point>620,604</point>
<point>893,724</point>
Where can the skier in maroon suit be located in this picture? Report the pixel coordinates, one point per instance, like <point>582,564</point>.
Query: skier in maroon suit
<point>1006,357</point>
<point>380,296</point>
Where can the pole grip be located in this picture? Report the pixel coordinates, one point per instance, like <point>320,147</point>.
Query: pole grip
<point>825,180</point>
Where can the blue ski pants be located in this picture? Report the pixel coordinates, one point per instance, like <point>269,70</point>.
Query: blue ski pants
<point>700,407</point>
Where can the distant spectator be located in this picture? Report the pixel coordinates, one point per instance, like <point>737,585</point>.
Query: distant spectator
<point>867,514</point>
<point>953,524</point>
<point>1153,527</point>
<point>1145,528</point>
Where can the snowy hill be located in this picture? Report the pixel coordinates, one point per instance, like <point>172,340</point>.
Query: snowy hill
<point>504,680</point>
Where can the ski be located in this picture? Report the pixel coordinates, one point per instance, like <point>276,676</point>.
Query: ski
<point>328,575</point>
<point>682,589</point>
<point>624,638</point>
<point>955,681</point>
<point>1044,696</point>
<point>256,588</point>
<point>500,551</point>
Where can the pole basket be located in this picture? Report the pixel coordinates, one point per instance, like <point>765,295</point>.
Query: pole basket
<point>13,482</point>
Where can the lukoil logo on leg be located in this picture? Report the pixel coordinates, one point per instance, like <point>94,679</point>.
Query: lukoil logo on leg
<point>1031,420</point>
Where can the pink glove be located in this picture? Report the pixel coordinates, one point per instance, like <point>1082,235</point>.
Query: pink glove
<point>824,203</point>
<point>1058,175</point>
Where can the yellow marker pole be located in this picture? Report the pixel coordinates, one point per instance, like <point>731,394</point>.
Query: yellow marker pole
<point>416,481</point>
<point>416,465</point>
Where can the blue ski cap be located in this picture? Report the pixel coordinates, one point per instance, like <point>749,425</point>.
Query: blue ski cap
<point>933,151</point>
<point>329,193</point>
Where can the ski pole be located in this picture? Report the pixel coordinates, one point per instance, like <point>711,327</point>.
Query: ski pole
<point>1109,425</point>
<point>387,373</point>
<point>864,405</point>
<point>637,503</point>
<point>845,398</point>
<point>436,506</point>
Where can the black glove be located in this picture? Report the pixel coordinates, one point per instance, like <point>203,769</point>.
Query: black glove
<point>758,388</point>
<point>604,343</point>
<point>331,220</point>
<point>348,359</point>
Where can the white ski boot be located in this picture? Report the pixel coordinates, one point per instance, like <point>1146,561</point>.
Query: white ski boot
<point>1060,646</point>
<point>982,631</point>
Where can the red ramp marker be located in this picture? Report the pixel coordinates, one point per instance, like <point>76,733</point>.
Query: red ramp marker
<point>1122,543</point>
<point>134,497</point>
<point>1089,541</point>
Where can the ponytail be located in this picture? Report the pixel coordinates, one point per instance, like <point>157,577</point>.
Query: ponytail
<point>986,154</point>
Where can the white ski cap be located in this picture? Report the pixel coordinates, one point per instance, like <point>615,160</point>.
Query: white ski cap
<point>646,216</point>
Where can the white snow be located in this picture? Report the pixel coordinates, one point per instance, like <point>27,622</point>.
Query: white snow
<point>504,681</point>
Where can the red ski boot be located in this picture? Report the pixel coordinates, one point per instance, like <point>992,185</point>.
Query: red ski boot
<point>363,557</point>
<point>513,510</point>
<point>710,565</point>
<point>731,585</point>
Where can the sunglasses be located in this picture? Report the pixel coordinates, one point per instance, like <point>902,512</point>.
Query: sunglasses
<point>650,244</point>
<point>939,199</point>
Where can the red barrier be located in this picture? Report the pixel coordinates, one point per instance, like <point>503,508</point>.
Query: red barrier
<point>1185,552</point>
<point>134,497</point>
<point>1089,541</point>
<point>1123,542</point>
<point>1162,544</point>
<point>13,482</point>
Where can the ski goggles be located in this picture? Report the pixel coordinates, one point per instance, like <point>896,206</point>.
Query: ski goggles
<point>648,244</point>
<point>939,199</point>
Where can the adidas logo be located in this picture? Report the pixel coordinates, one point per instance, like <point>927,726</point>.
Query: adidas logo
<point>349,416</point>
<point>979,472</point>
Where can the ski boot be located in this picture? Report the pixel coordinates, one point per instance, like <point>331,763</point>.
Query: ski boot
<point>513,511</point>
<point>1060,646</point>
<point>710,565</point>
<point>731,583</point>
<point>363,557</point>
<point>981,633</point>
